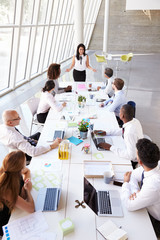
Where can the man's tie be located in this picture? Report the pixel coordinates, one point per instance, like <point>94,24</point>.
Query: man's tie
<point>80,60</point>
<point>31,141</point>
<point>142,179</point>
<point>123,132</point>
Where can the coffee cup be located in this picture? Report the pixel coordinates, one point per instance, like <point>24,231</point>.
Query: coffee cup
<point>108,177</point>
<point>91,96</point>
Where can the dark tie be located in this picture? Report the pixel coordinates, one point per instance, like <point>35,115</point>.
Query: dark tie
<point>80,60</point>
<point>31,141</point>
<point>142,179</point>
<point>123,132</point>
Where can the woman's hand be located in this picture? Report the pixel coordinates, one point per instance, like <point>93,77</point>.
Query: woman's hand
<point>56,143</point>
<point>64,104</point>
<point>28,185</point>
<point>68,70</point>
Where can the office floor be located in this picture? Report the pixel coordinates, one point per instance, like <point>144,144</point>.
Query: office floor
<point>141,77</point>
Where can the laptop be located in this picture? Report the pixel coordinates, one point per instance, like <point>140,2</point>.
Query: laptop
<point>103,203</point>
<point>48,199</point>
<point>59,134</point>
<point>98,140</point>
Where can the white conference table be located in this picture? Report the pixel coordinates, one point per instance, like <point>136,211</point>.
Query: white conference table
<point>137,224</point>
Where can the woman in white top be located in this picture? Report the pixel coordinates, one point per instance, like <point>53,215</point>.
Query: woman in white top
<point>53,73</point>
<point>80,62</point>
<point>48,101</point>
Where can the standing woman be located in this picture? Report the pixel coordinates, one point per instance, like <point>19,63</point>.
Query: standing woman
<point>80,62</point>
<point>15,187</point>
<point>47,101</point>
<point>53,73</point>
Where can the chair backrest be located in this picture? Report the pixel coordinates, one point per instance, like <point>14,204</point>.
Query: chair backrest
<point>133,104</point>
<point>33,105</point>
<point>127,57</point>
<point>124,58</point>
<point>130,55</point>
<point>100,58</point>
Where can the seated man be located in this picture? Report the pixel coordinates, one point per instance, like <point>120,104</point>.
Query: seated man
<point>118,100</point>
<point>148,175</point>
<point>131,132</point>
<point>108,73</point>
<point>14,140</point>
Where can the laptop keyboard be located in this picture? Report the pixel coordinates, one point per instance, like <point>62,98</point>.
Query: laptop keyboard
<point>104,202</point>
<point>49,204</point>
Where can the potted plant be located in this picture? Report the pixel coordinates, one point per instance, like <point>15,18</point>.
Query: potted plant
<point>81,101</point>
<point>83,128</point>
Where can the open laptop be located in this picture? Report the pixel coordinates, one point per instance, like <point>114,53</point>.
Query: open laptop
<point>103,203</point>
<point>59,134</point>
<point>48,199</point>
<point>98,140</point>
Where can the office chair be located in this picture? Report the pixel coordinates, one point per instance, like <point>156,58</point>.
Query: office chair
<point>127,57</point>
<point>33,106</point>
<point>100,58</point>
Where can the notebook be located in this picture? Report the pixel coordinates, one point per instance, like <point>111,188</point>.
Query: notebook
<point>74,140</point>
<point>98,140</point>
<point>58,134</point>
<point>48,199</point>
<point>103,203</point>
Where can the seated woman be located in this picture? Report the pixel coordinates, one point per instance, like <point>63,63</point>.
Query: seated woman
<point>53,73</point>
<point>48,101</point>
<point>15,187</point>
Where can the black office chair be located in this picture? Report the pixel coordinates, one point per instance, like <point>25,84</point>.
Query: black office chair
<point>133,104</point>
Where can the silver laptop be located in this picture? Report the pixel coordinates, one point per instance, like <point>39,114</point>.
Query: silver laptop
<point>58,134</point>
<point>98,140</point>
<point>48,199</point>
<point>103,203</point>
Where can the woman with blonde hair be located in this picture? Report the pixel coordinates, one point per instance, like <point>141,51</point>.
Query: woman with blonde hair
<point>15,186</point>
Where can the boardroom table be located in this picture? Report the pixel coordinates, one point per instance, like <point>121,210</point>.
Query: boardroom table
<point>137,224</point>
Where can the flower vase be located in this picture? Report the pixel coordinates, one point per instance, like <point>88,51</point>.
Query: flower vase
<point>83,135</point>
<point>81,104</point>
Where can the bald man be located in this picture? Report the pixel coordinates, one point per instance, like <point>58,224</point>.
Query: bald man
<point>14,140</point>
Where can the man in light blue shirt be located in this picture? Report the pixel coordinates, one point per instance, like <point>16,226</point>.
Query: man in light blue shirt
<point>115,103</point>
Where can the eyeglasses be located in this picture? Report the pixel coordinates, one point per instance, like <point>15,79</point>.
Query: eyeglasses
<point>15,119</point>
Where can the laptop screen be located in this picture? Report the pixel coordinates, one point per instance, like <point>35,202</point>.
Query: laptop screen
<point>90,196</point>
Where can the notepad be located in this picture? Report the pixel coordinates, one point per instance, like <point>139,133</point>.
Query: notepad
<point>75,141</point>
<point>111,232</point>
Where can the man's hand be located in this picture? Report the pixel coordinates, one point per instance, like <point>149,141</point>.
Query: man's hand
<point>133,196</point>
<point>104,145</point>
<point>56,143</point>
<point>101,105</point>
<point>64,104</point>
<point>127,176</point>
<point>100,132</point>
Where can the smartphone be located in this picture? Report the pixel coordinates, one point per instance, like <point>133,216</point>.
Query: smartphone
<point>117,183</point>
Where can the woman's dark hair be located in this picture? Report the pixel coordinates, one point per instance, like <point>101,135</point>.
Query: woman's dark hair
<point>148,152</point>
<point>108,72</point>
<point>54,71</point>
<point>48,86</point>
<point>77,53</point>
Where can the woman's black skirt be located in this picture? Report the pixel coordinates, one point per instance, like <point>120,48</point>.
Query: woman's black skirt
<point>79,76</point>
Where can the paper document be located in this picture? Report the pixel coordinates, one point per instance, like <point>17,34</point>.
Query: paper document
<point>29,227</point>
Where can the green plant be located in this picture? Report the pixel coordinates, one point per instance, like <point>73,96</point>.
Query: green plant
<point>81,99</point>
<point>83,126</point>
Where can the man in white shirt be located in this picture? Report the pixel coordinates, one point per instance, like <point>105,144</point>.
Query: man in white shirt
<point>108,73</point>
<point>14,140</point>
<point>147,175</point>
<point>131,132</point>
<point>114,103</point>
